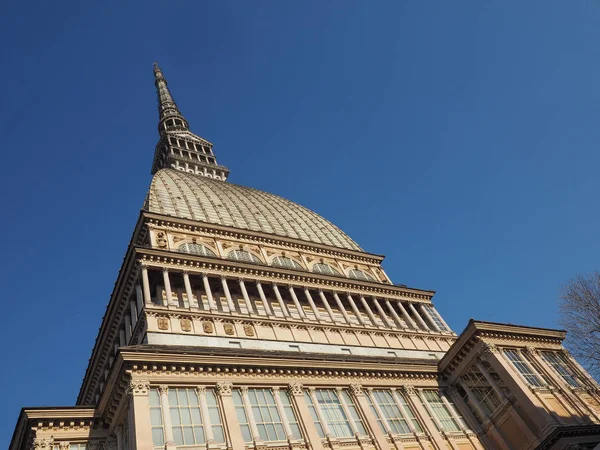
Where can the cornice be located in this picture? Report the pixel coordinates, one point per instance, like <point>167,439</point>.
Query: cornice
<point>499,333</point>
<point>178,224</point>
<point>219,267</point>
<point>111,319</point>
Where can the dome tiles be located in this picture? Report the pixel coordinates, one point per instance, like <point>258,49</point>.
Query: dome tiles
<point>188,196</point>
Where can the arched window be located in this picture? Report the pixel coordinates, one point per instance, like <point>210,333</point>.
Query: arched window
<point>287,263</point>
<point>360,275</point>
<point>325,269</point>
<point>244,256</point>
<point>196,249</point>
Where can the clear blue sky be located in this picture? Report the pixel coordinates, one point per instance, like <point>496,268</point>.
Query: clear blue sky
<point>460,139</point>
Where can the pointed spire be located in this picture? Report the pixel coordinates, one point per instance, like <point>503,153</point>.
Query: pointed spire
<point>170,118</point>
<point>178,148</point>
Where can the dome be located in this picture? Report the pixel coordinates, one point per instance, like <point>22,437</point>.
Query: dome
<point>188,196</point>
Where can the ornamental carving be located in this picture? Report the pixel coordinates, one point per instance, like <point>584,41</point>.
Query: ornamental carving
<point>409,389</point>
<point>229,329</point>
<point>200,390</point>
<point>249,330</point>
<point>161,239</point>
<point>488,349</point>
<point>139,387</point>
<point>42,444</point>
<point>208,327</point>
<point>162,323</point>
<point>296,388</point>
<point>356,389</point>
<point>163,389</point>
<point>110,443</point>
<point>224,387</point>
<point>531,351</point>
<point>63,446</point>
<point>186,324</point>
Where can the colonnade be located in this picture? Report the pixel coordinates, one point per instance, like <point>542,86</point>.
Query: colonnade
<point>289,302</point>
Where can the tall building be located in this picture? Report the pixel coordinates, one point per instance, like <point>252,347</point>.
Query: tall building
<point>241,320</point>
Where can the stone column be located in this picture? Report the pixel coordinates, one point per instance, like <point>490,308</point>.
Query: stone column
<point>296,391</point>
<point>341,307</point>
<point>327,307</point>
<point>414,400</point>
<point>503,397</point>
<point>369,312</point>
<point>297,303</point>
<point>311,302</point>
<point>246,297</point>
<point>230,420</point>
<point>211,301</point>
<point>491,429</point>
<point>382,314</point>
<point>163,389</point>
<point>282,304</point>
<point>127,321</point>
<point>409,321</point>
<point>441,318</point>
<point>356,311</point>
<point>134,313</point>
<point>250,416</point>
<point>167,286</point>
<point>407,416</point>
<point>139,415</point>
<point>230,303</point>
<point>573,405</point>
<point>426,314</point>
<point>282,414</point>
<point>263,299</point>
<point>384,422</point>
<point>418,316</point>
<point>208,432</point>
<point>188,290</point>
<point>146,285</point>
<point>139,297</point>
<point>513,379</point>
<point>328,434</point>
<point>401,324</point>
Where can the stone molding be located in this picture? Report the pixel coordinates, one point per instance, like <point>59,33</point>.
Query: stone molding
<point>356,389</point>
<point>224,387</point>
<point>296,388</point>
<point>139,387</point>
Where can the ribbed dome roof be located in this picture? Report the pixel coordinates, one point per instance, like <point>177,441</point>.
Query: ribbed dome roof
<point>179,194</point>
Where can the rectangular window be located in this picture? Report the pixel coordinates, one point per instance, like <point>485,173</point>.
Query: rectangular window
<point>482,391</point>
<point>313,414</point>
<point>440,411</point>
<point>262,407</point>
<point>523,367</point>
<point>158,436</point>
<point>436,317</point>
<point>388,407</point>
<point>561,366</point>
<point>186,419</point>
<point>77,447</point>
<point>338,411</point>
<point>333,413</point>
<point>214,415</point>
<point>289,414</point>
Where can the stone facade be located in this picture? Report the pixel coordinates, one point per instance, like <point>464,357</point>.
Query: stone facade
<point>242,320</point>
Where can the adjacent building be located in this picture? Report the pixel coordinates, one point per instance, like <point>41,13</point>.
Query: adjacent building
<point>241,320</point>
